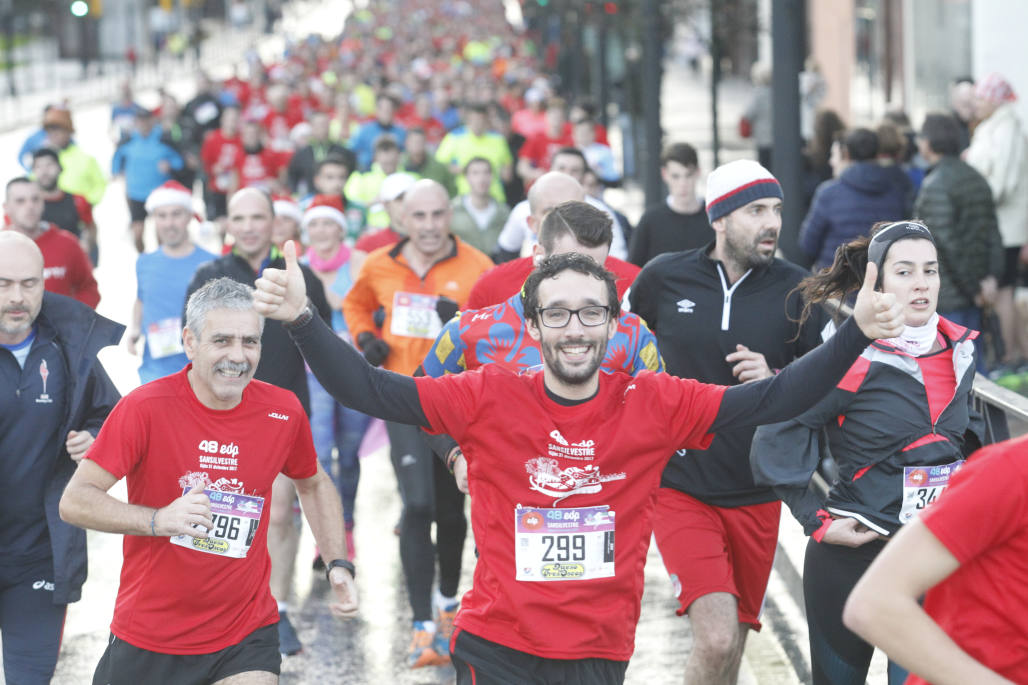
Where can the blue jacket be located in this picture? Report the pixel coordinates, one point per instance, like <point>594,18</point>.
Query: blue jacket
<point>363,141</point>
<point>138,158</point>
<point>81,333</point>
<point>846,208</point>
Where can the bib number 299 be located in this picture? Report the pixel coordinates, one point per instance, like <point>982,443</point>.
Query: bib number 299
<point>564,547</point>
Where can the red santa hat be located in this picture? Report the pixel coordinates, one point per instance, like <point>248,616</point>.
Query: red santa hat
<point>171,193</point>
<point>286,206</point>
<point>328,206</point>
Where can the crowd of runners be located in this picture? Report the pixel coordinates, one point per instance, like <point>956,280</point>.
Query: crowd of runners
<point>410,225</point>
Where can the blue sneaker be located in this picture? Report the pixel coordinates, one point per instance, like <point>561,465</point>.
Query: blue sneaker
<point>422,652</point>
<point>288,641</point>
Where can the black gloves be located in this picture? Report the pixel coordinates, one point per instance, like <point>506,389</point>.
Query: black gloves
<point>445,308</point>
<point>375,349</point>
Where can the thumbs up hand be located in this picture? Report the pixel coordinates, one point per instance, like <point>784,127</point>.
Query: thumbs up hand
<point>878,314</point>
<point>282,294</point>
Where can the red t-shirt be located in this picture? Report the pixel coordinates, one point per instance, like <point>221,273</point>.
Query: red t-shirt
<point>506,279</point>
<point>539,149</point>
<point>582,468</point>
<point>262,169</point>
<point>177,600</point>
<point>376,239</point>
<point>982,519</point>
<point>434,130</point>
<point>66,268</point>
<point>221,158</point>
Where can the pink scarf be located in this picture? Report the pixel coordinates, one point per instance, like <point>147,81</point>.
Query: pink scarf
<point>328,265</point>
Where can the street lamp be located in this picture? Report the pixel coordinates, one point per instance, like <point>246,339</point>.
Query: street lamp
<point>79,8</point>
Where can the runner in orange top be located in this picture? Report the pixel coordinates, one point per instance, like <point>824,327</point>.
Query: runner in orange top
<point>420,282</point>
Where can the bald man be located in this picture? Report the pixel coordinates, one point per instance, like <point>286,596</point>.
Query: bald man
<point>251,213</point>
<point>419,282</point>
<point>506,279</point>
<point>54,396</point>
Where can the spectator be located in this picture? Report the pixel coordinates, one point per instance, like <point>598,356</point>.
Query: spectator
<point>955,203</point>
<point>66,268</point>
<point>961,105</point>
<point>680,222</point>
<point>1000,153</point>
<point>816,154</point>
<point>147,162</point>
<point>477,217</point>
<point>847,206</point>
<point>758,113</point>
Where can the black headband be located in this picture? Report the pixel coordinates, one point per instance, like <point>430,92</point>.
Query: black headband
<point>883,239</point>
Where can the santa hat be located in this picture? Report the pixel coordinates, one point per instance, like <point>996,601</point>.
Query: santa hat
<point>995,89</point>
<point>286,206</point>
<point>171,193</point>
<point>327,206</point>
<point>738,183</point>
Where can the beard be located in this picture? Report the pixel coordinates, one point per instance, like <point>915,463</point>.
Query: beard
<point>748,254</point>
<point>574,375</point>
<point>12,329</point>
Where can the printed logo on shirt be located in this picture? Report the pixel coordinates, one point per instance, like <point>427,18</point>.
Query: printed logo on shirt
<point>44,585</point>
<point>44,398</point>
<point>54,272</point>
<point>584,450</point>
<point>280,417</point>
<point>546,476</point>
<point>555,434</point>
<point>685,306</point>
<point>452,285</point>
<point>223,456</point>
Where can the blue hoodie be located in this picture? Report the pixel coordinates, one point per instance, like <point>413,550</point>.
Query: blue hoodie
<point>846,207</point>
<point>138,159</point>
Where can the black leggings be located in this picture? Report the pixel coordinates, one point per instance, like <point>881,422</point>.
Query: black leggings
<point>429,493</point>
<point>838,656</point>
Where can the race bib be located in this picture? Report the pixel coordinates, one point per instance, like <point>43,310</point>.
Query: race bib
<point>564,544</point>
<point>236,518</point>
<point>922,485</point>
<point>164,337</point>
<point>414,316</point>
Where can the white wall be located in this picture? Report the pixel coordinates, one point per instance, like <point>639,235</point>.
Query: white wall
<point>998,44</point>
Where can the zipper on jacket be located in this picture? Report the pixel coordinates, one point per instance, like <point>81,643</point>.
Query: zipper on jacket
<point>726,307</point>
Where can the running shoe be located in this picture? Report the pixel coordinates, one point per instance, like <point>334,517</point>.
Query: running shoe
<point>420,653</point>
<point>444,629</point>
<point>288,641</point>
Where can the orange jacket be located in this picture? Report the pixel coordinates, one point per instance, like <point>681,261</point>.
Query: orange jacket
<point>411,324</point>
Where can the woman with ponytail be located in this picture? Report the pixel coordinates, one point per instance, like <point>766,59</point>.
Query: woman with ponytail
<point>898,426</point>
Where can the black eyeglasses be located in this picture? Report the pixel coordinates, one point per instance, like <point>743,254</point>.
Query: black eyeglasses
<point>558,317</point>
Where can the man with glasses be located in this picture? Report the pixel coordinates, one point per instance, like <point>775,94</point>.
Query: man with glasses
<point>559,460</point>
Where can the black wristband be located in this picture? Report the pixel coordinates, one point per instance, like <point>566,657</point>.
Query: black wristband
<point>305,317</point>
<point>341,563</point>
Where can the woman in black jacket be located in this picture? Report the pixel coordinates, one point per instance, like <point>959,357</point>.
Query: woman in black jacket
<point>895,426</point>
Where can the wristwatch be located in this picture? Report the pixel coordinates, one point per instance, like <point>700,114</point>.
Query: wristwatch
<point>306,314</point>
<point>341,563</point>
